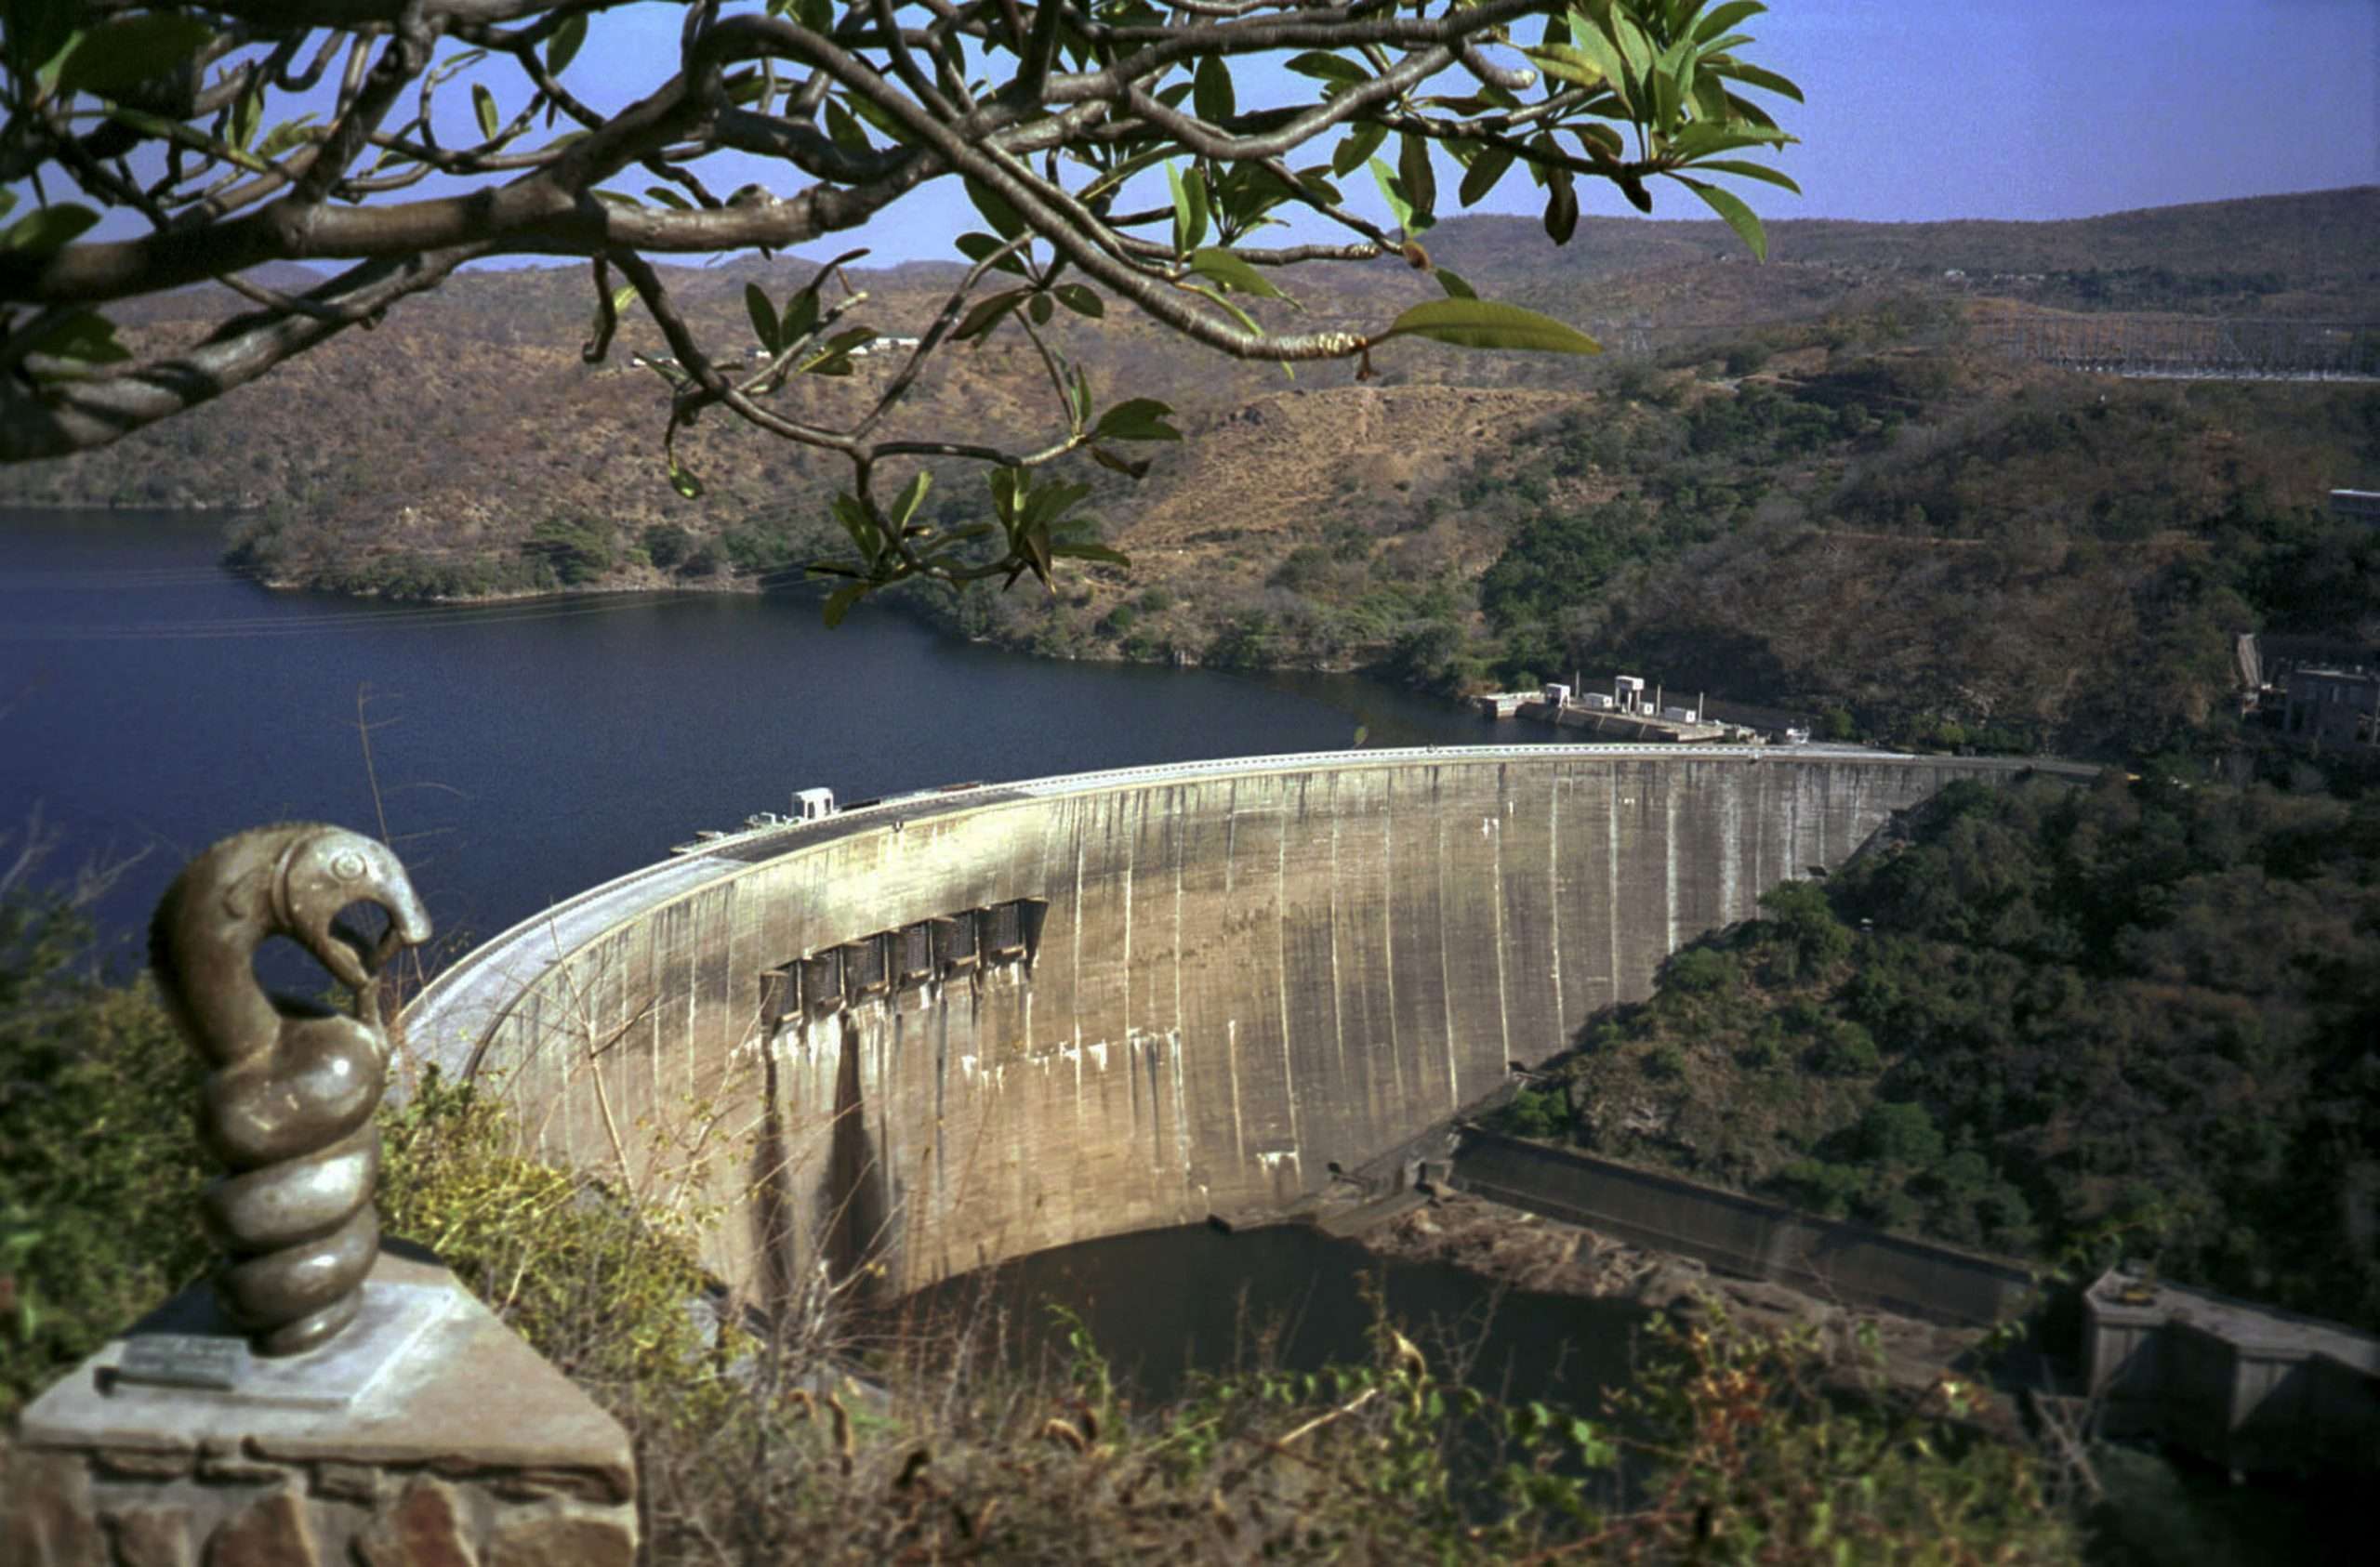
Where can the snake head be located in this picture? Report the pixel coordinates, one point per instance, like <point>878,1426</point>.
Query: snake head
<point>323,873</point>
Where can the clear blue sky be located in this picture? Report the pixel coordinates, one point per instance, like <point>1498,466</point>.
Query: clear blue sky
<point>1918,110</point>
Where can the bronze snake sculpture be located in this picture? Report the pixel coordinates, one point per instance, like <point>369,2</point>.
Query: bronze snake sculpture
<point>288,1106</point>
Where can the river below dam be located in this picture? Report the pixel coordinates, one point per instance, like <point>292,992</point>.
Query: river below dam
<point>152,702</point>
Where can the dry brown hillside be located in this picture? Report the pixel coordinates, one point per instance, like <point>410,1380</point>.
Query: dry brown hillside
<point>1803,482</point>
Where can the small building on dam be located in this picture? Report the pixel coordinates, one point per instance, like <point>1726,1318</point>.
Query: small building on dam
<point>951,1030</point>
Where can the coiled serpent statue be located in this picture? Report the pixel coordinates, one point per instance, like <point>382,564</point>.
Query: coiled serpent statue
<point>288,1106</point>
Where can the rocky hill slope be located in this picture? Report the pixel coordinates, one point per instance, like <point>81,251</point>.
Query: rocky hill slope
<point>1806,483</point>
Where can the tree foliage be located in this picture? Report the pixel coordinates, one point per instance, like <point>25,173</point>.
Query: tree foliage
<point>1115,149</point>
<point>2138,1017</point>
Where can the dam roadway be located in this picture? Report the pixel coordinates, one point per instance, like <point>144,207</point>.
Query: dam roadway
<point>959,1027</point>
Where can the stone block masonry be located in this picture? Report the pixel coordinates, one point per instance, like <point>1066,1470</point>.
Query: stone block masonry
<point>467,1450</point>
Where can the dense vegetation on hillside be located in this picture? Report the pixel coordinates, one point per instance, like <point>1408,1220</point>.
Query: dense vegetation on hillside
<point>1807,483</point>
<point>752,1448</point>
<point>2140,1018</point>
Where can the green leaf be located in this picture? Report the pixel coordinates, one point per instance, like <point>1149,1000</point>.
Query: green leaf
<point>617,198</point>
<point>49,227</point>
<point>1054,501</point>
<point>1212,96</point>
<point>1081,300</point>
<point>1481,323</point>
<point>1215,298</point>
<point>1328,67</point>
<point>864,534</point>
<point>484,102</point>
<point>1483,174</point>
<point>1741,218</point>
<point>800,316</point>
<point>282,137</point>
<point>87,336</point>
<point>765,317</point>
<point>682,479</point>
<point>1086,551</point>
<point>1667,99</point>
<point>1705,137</point>
<point>1597,138</point>
<point>1596,51</point>
<point>988,313</point>
<point>1749,171</point>
<point>1189,207</point>
<point>995,208</point>
<point>843,130</point>
<point>1567,62</point>
<point>1724,16</point>
<point>912,494</point>
<point>1124,466</point>
<point>819,16</point>
<point>1141,418</point>
<point>1234,273</point>
<point>1452,282</point>
<point>118,55</point>
<point>8,201</point>
<point>669,198</point>
<point>834,356</point>
<point>188,136</point>
<point>1393,193</point>
<point>1356,150</point>
<point>978,247</point>
<point>1312,182</point>
<point>1634,47</point>
<point>839,602</point>
<point>893,130</point>
<point>244,116</point>
<point>1754,76</point>
<point>1421,180</point>
<point>1561,206</point>
<point>1040,310</point>
<point>562,48</point>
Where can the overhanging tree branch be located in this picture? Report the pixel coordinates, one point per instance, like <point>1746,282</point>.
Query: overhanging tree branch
<point>1056,115</point>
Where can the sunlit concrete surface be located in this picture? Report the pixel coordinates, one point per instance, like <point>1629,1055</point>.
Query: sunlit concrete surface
<point>1231,974</point>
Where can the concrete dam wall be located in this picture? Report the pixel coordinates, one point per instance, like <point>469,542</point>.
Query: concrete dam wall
<point>959,1028</point>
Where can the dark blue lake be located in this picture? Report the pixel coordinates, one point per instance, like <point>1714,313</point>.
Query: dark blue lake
<point>150,700</point>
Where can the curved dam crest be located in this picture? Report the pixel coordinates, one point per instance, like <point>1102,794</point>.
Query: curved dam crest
<point>958,1028</point>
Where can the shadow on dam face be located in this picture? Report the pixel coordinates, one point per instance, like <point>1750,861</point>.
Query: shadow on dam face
<point>1020,1016</point>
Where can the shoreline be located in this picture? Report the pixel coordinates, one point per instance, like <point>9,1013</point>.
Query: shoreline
<point>1526,1251</point>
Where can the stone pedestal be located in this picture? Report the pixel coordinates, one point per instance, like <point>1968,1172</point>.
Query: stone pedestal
<point>428,1436</point>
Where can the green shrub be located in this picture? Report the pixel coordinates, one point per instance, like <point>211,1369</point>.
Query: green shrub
<point>1845,1049</point>
<point>100,1165</point>
<point>1537,1112</point>
<point>578,551</point>
<point>1699,970</point>
<point>668,544</point>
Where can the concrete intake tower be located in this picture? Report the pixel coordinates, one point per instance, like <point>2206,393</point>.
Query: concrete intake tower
<point>953,1028</point>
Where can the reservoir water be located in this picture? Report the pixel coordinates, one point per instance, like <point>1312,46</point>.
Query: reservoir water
<point>524,751</point>
<point>152,702</point>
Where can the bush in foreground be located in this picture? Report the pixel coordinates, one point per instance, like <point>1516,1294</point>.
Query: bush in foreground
<point>754,1448</point>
